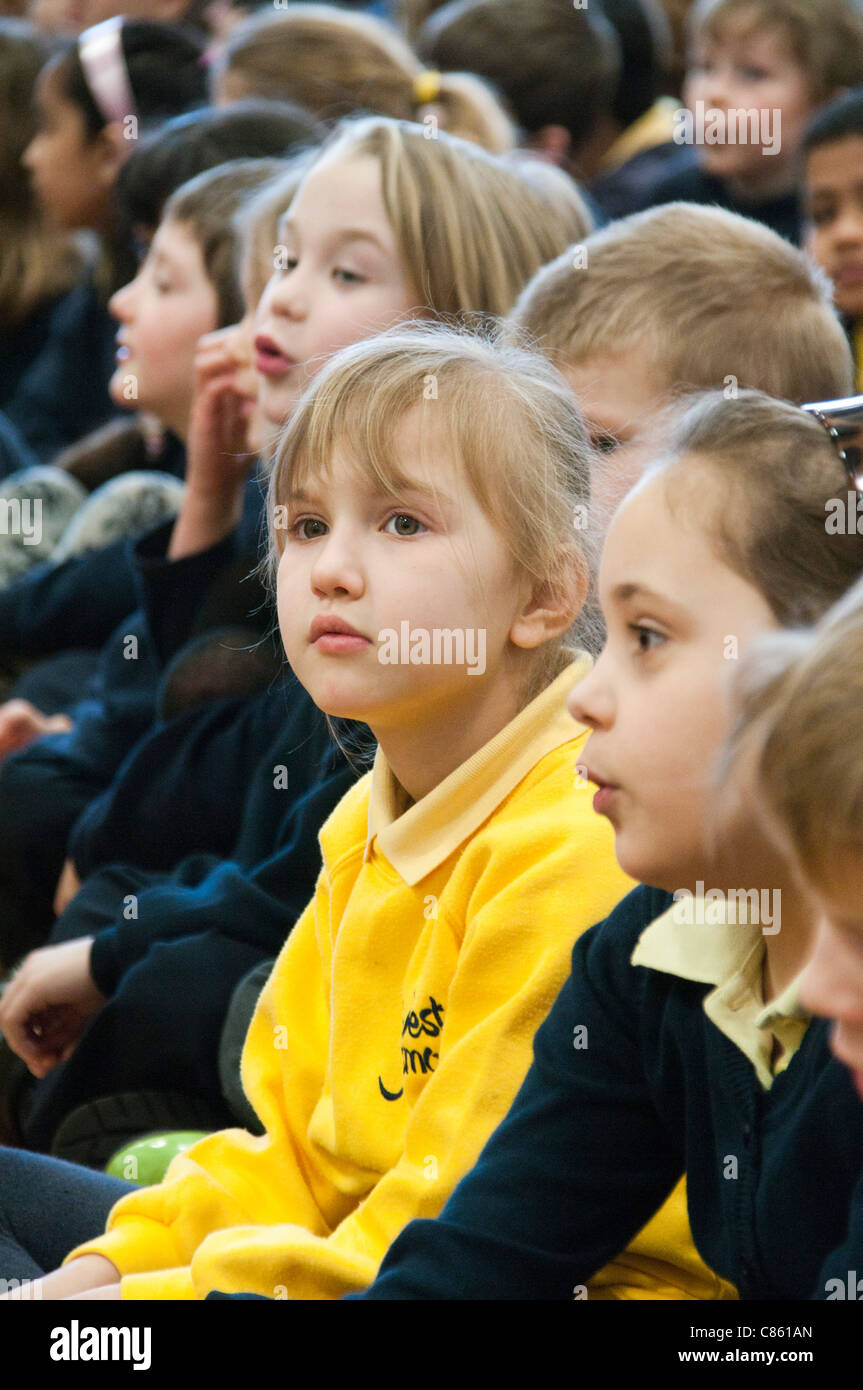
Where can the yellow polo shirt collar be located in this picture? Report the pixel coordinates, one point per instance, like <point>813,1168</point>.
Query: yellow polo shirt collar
<point>417,840</point>
<point>728,954</point>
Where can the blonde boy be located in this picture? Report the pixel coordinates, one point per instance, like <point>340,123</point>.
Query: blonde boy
<point>675,299</point>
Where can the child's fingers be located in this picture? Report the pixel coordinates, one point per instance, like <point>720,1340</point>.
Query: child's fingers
<point>215,359</point>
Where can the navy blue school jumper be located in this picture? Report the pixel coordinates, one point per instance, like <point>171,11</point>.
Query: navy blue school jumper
<point>600,1133</point>
<point>78,603</point>
<point>169,970</point>
<point>14,453</point>
<point>45,788</point>
<point>683,180</point>
<point>64,393</point>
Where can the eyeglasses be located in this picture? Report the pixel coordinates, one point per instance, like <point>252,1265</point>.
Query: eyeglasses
<point>843,421</point>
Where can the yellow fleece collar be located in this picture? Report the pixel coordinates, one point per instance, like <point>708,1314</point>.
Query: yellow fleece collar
<point>417,840</point>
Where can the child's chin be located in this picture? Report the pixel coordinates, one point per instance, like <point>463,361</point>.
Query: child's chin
<point>724,162</point>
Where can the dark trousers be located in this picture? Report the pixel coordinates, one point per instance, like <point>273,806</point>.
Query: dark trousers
<point>47,1208</point>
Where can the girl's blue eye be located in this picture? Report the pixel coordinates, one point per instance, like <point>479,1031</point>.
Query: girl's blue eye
<point>348,277</point>
<point>411,521</point>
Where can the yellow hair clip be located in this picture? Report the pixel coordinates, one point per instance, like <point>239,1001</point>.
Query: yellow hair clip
<point>426,87</point>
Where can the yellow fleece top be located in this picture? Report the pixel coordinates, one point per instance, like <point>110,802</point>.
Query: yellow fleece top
<point>396,1026</point>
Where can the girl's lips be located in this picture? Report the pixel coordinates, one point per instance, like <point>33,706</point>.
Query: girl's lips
<point>339,642</point>
<point>330,633</point>
<point>269,358</point>
<point>603,798</point>
<point>849,275</point>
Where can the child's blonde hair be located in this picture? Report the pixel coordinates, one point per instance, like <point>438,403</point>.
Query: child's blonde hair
<point>257,225</point>
<point>799,728</point>
<point>507,418</point>
<point>334,63</point>
<point>702,294</point>
<point>207,205</point>
<point>775,469</point>
<point>472,229</point>
<point>825,36</point>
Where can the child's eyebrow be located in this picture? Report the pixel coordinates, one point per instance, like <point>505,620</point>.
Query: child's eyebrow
<point>339,238</point>
<point>404,489</point>
<point>622,593</point>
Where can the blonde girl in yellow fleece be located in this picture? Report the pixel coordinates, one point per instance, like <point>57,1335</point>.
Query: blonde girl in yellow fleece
<point>428,507</point>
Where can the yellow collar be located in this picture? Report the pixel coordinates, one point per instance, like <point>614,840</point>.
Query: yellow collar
<point>727,952</point>
<point>417,840</point>
<point>654,127</point>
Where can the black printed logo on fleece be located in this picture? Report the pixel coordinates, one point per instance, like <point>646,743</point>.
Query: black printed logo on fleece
<point>427,1023</point>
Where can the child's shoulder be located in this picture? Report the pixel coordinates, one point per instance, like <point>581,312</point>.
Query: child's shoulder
<point>349,818</point>
<point>554,795</point>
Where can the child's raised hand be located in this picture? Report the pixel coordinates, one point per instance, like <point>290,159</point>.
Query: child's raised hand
<point>47,1002</point>
<point>217,455</point>
<point>21,723</point>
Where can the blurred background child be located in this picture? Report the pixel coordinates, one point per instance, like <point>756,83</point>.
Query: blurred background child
<point>779,60</point>
<point>833,207</point>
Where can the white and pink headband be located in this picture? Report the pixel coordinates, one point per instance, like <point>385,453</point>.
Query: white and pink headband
<point>100,51</point>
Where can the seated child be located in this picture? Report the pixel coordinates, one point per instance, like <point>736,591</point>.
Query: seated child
<point>696,1055</point>
<point>396,1025</point>
<point>797,731</point>
<point>557,66</point>
<point>674,299</point>
<point>91,109</point>
<point>757,71</point>
<point>492,230</point>
<point>186,286</point>
<point>77,603</point>
<point>833,207</point>
<point>40,264</point>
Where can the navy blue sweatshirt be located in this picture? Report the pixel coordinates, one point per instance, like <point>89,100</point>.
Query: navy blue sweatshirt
<point>599,1135</point>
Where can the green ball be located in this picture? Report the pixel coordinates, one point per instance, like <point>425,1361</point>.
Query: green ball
<point>146,1160</point>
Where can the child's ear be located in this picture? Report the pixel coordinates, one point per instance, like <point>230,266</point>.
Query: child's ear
<point>552,143</point>
<point>552,607</point>
<point>112,149</point>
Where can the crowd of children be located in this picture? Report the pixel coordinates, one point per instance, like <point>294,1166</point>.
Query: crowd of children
<point>431,639</point>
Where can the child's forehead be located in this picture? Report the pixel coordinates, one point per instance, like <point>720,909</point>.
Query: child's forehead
<point>740,28</point>
<point>175,240</point>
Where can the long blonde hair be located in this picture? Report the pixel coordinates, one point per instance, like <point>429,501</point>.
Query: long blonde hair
<point>334,63</point>
<point>471,227</point>
<point>502,412</point>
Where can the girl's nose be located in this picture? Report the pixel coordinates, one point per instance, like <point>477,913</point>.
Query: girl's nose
<point>714,86</point>
<point>287,293</point>
<point>827,983</point>
<point>848,228</point>
<point>337,566</point>
<point>590,701</point>
<point>121,303</point>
